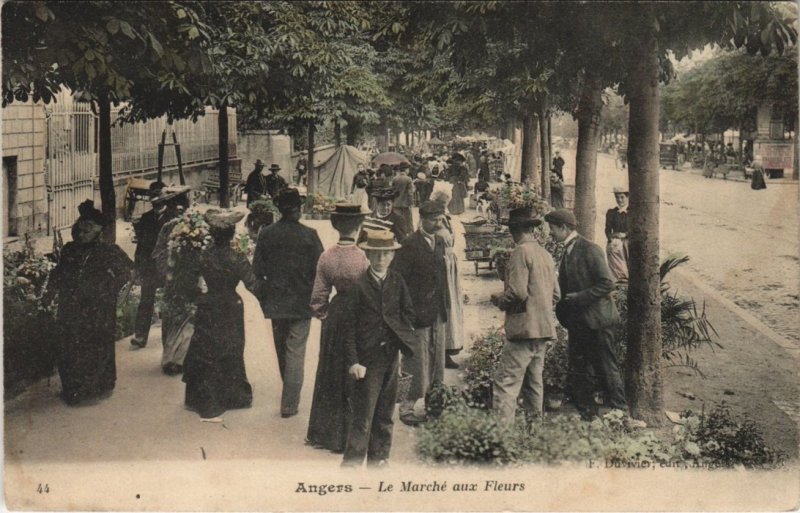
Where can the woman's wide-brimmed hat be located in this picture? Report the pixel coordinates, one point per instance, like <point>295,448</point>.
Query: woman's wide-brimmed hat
<point>456,156</point>
<point>170,192</point>
<point>222,219</point>
<point>379,240</point>
<point>347,210</point>
<point>621,190</point>
<point>523,216</point>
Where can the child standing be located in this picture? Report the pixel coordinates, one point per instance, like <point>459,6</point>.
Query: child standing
<point>381,319</point>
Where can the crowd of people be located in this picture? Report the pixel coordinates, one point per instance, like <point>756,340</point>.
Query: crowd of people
<point>388,295</point>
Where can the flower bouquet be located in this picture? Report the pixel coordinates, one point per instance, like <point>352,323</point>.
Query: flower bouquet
<point>189,236</point>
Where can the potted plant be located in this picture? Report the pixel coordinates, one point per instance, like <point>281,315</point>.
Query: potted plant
<point>499,256</point>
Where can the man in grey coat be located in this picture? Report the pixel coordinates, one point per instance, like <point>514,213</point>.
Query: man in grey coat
<point>530,289</point>
<point>286,260</point>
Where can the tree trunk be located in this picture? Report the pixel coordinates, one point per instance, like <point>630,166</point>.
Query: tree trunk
<point>530,152</point>
<point>396,140</point>
<point>337,133</point>
<point>796,149</point>
<point>589,106</point>
<point>643,380</point>
<point>352,130</point>
<point>312,170</point>
<point>108,195</point>
<point>408,141</point>
<point>224,174</point>
<point>544,121</point>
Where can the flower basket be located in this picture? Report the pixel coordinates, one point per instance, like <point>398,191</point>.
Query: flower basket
<point>403,386</point>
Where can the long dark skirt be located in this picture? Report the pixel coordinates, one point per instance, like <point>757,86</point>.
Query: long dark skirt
<point>214,370</point>
<point>327,426</point>
<point>86,363</point>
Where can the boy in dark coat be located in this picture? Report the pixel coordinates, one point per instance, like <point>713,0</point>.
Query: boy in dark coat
<point>381,323</point>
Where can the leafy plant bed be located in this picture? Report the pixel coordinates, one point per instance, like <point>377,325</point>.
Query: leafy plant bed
<point>462,435</point>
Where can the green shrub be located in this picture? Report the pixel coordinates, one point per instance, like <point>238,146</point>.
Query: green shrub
<point>556,364</point>
<point>683,328</point>
<point>464,435</point>
<point>725,441</point>
<point>29,331</point>
<point>480,366</point>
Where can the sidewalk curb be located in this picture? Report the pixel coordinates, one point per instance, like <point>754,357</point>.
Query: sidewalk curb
<point>747,317</point>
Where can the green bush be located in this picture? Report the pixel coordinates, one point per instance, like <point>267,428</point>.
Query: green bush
<point>683,328</point>
<point>556,364</point>
<point>29,331</point>
<point>725,441</point>
<point>480,366</point>
<point>464,435</point>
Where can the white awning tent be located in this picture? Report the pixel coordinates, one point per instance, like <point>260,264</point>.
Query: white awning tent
<point>336,174</point>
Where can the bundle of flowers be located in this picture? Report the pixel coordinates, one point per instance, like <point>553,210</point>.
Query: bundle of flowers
<point>190,235</point>
<point>243,244</point>
<point>318,203</point>
<point>511,196</point>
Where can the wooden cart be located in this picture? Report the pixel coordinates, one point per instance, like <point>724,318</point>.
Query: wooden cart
<point>480,244</point>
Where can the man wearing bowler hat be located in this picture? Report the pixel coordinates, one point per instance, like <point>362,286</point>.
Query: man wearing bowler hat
<point>286,260</point>
<point>588,312</point>
<point>256,185</point>
<point>421,263</point>
<point>275,182</point>
<point>530,289</point>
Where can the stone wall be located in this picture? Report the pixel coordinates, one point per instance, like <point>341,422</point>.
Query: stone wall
<point>23,155</point>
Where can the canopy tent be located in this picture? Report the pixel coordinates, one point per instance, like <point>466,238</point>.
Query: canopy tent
<point>684,138</point>
<point>434,141</point>
<point>336,174</point>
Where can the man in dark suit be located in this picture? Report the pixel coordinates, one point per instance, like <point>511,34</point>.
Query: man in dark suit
<point>256,185</point>
<point>275,183</point>
<point>381,319</point>
<point>147,229</point>
<point>421,264</point>
<point>589,314</point>
<point>286,260</point>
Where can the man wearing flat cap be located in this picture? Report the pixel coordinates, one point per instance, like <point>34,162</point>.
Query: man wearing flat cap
<point>589,314</point>
<point>421,263</point>
<point>529,291</point>
<point>286,260</point>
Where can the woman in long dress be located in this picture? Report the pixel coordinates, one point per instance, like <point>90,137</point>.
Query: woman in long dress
<point>454,337</point>
<point>339,267</point>
<point>617,235</point>
<point>214,370</point>
<point>85,284</point>
<point>459,177</point>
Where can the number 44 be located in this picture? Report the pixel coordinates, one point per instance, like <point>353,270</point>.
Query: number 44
<point>43,488</point>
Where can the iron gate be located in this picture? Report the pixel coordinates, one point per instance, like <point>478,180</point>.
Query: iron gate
<point>70,160</point>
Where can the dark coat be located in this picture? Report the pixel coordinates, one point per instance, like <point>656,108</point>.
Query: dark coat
<point>423,270</point>
<point>584,271</point>
<point>275,184</point>
<point>616,222</point>
<point>256,186</point>
<point>286,260</point>
<point>146,229</point>
<point>376,313</point>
